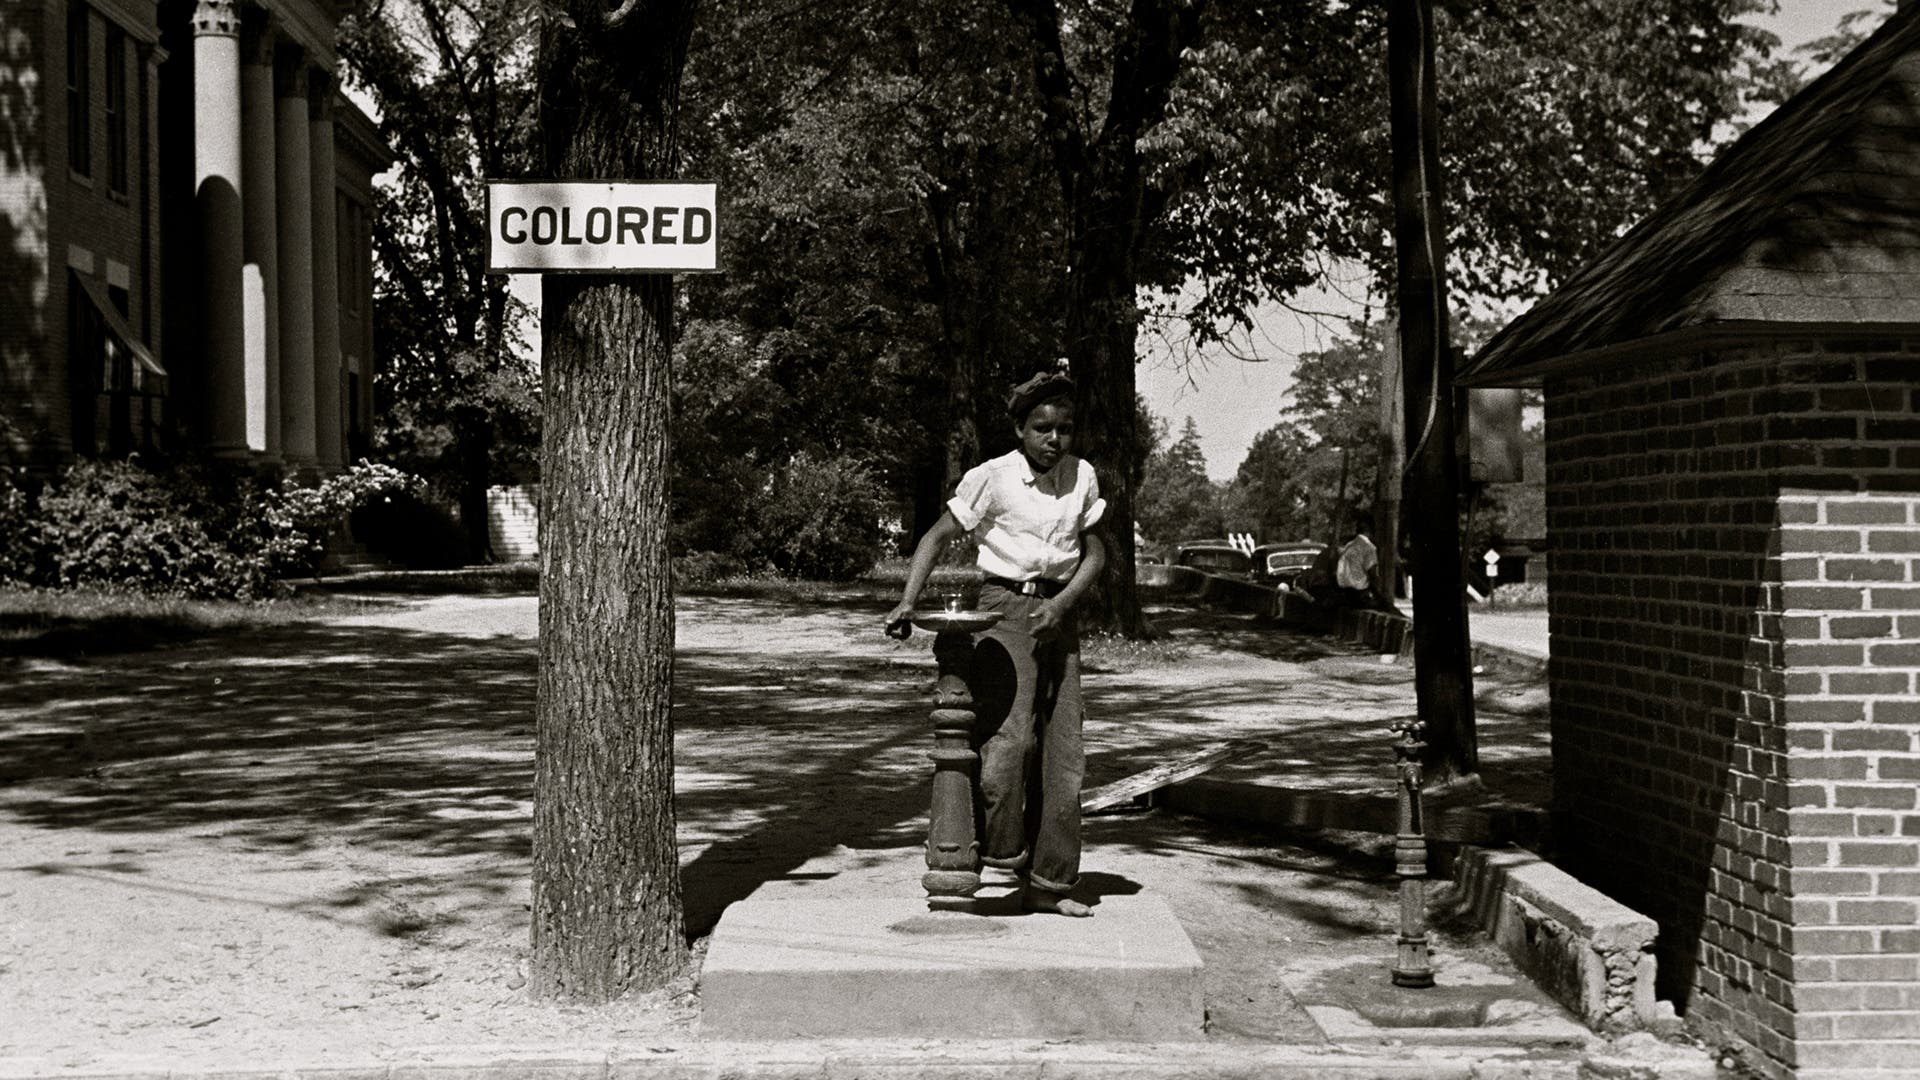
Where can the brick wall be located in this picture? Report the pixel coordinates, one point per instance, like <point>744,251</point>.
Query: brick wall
<point>1736,631</point>
<point>31,108</point>
<point>52,219</point>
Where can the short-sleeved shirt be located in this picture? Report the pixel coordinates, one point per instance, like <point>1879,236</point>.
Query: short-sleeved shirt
<point>1028,526</point>
<point>1357,561</point>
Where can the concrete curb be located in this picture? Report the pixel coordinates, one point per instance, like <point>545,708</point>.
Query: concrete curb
<point>902,1060</point>
<point>1274,805</point>
<point>1387,632</point>
<point>1591,952</point>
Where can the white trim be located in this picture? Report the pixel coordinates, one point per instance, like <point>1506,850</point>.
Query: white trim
<point>1692,336</point>
<point>305,24</point>
<point>137,20</point>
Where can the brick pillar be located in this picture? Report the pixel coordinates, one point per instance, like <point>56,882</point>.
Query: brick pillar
<point>262,240</point>
<point>1736,682</point>
<point>327,378</point>
<point>294,251</point>
<point>1849,569</point>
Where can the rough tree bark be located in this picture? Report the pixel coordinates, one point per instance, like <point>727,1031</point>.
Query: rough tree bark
<point>607,910</point>
<point>1103,183</point>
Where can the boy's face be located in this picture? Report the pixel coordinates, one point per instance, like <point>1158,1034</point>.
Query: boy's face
<point>1046,434</point>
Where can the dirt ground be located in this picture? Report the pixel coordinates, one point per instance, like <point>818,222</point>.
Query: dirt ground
<point>310,844</point>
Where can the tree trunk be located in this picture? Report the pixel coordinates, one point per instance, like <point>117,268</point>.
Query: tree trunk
<point>1443,666</point>
<point>1102,329</point>
<point>1108,210</point>
<point>607,911</point>
<point>473,451</point>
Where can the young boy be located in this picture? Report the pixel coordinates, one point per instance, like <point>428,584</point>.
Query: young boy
<point>1030,511</point>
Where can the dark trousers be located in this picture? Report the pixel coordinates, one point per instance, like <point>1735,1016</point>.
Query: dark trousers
<point>1027,732</point>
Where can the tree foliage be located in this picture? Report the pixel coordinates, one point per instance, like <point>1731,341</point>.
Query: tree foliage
<point>452,83</point>
<point>1177,501</point>
<point>1243,146</point>
<point>886,262</point>
<point>1319,466</point>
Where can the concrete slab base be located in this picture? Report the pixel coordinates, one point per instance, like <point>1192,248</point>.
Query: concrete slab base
<point>1471,1003</point>
<point>887,968</point>
<point>1520,1025</point>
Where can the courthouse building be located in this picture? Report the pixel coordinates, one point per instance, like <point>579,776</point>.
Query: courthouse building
<point>185,244</point>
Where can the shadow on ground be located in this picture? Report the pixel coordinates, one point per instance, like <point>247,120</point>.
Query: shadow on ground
<point>800,737</point>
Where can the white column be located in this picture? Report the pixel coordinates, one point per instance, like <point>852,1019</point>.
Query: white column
<point>294,198</point>
<point>329,440</point>
<point>262,244</point>
<point>219,215</point>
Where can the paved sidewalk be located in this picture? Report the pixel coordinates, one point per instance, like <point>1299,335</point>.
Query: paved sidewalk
<point>304,852</point>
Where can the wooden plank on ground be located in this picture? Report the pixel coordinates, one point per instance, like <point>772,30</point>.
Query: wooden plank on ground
<point>1185,767</point>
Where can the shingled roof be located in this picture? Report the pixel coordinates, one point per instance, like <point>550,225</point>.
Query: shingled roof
<point>1813,217</point>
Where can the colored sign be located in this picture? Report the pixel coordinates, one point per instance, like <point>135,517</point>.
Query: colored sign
<point>601,227</point>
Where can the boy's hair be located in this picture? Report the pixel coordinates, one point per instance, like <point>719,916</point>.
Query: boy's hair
<point>1045,388</point>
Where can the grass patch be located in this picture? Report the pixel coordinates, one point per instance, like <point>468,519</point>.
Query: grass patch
<point>504,579</point>
<point>880,586</point>
<point>947,576</point>
<point>1104,651</point>
<point>1525,596</point>
<point>771,587</point>
<point>78,622</point>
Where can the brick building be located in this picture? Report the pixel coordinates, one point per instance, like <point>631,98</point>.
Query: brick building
<point>1733,518</point>
<point>185,254</point>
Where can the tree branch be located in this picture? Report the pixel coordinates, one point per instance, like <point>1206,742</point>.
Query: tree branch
<point>620,14</point>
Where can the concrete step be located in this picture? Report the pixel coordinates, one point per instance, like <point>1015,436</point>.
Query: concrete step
<point>884,967</point>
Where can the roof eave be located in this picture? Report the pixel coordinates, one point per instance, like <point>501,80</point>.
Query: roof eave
<point>1693,336</point>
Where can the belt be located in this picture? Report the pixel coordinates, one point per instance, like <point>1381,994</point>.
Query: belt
<point>1041,587</point>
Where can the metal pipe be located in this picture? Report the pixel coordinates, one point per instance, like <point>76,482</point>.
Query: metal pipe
<point>1412,965</point>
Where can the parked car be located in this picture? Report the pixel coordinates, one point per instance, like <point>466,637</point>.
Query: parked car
<point>1279,564</point>
<point>1213,557</point>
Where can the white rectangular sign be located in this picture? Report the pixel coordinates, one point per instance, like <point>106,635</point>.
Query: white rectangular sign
<point>601,226</point>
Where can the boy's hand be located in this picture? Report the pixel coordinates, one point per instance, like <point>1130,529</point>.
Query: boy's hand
<point>1044,621</point>
<point>900,621</point>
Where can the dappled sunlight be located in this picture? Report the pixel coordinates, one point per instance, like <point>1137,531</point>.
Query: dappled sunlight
<point>375,777</point>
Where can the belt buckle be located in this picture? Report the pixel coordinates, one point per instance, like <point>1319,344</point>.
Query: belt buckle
<point>1030,587</point>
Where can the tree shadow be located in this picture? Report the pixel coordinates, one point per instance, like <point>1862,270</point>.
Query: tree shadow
<point>304,740</point>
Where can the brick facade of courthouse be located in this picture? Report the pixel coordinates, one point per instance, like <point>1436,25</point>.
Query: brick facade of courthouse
<point>185,233</point>
<point>1733,515</point>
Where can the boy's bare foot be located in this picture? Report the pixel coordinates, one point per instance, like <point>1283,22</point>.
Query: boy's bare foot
<point>1040,900</point>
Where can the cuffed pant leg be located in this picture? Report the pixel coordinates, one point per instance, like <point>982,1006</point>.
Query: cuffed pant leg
<point>1004,676</point>
<point>1054,813</point>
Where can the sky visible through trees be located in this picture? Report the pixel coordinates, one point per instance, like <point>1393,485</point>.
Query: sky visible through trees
<point>879,295</point>
<point>1232,401</point>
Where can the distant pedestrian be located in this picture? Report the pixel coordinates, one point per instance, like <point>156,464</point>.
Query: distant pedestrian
<point>1356,574</point>
<point>1032,512</point>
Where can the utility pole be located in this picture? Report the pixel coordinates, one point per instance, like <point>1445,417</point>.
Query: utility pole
<point>1442,657</point>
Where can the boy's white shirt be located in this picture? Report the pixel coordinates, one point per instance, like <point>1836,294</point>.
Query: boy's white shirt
<point>1028,526</point>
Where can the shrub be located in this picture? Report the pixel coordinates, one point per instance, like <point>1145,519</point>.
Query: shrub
<point>415,527</point>
<point>193,530</point>
<point>1524,594</point>
<point>116,525</point>
<point>821,519</point>
<point>16,533</point>
<point>297,519</point>
<point>699,569</point>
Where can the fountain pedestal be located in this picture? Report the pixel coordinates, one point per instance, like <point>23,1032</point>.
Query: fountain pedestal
<point>953,851</point>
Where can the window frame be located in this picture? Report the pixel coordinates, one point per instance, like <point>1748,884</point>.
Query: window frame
<point>118,164</point>
<point>80,90</point>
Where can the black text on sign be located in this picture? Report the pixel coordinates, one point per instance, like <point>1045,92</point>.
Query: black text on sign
<point>601,226</point>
